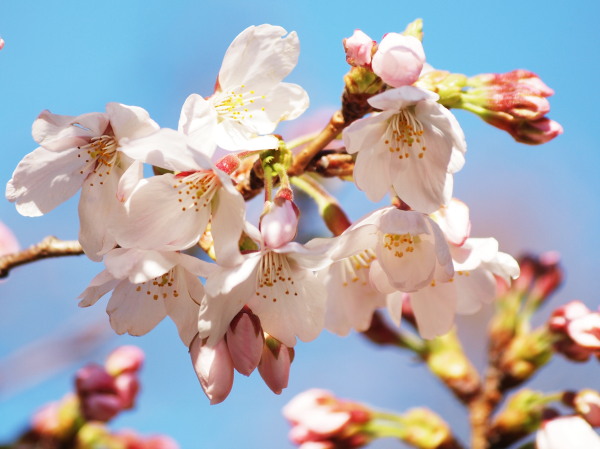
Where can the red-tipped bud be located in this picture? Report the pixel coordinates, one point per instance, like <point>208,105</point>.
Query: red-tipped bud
<point>399,59</point>
<point>245,342</point>
<point>214,368</point>
<point>359,48</point>
<point>587,404</point>
<point>534,132</point>
<point>125,359</point>
<point>127,386</point>
<point>274,366</point>
<point>92,379</point>
<point>101,406</point>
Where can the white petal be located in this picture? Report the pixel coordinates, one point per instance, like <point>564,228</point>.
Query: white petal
<point>98,206</point>
<point>60,132</point>
<point>157,219</point>
<point>198,121</point>
<point>434,309</point>
<point>167,149</point>
<point>99,286</point>
<point>366,132</point>
<point>355,240</point>
<point>474,288</point>
<point>259,56</point>
<point>234,136</point>
<point>139,265</point>
<point>229,211</point>
<point>454,221</point>
<point>133,311</point>
<point>44,179</point>
<point>130,122</point>
<point>401,97</point>
<point>183,309</point>
<point>129,180</point>
<point>371,173</point>
<point>394,303</point>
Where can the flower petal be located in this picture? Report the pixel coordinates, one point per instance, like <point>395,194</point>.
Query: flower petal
<point>130,122</point>
<point>60,132</point>
<point>434,308</point>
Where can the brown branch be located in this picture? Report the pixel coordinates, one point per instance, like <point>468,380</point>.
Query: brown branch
<point>49,247</point>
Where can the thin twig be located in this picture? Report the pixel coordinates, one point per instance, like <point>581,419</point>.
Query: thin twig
<point>49,247</point>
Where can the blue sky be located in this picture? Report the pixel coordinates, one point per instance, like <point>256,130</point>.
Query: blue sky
<point>74,57</point>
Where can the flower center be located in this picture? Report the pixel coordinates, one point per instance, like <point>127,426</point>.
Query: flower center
<point>274,277</point>
<point>405,135</point>
<point>161,287</point>
<point>237,104</point>
<point>101,153</point>
<point>356,268</point>
<point>196,190</point>
<point>401,244</point>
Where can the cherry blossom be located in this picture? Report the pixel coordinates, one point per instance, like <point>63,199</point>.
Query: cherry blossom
<point>358,49</point>
<point>568,432</point>
<point>399,59</point>
<point>250,98</point>
<point>80,152</point>
<point>413,146</point>
<point>147,286</point>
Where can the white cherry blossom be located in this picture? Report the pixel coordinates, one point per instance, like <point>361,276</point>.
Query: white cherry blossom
<point>277,284</point>
<point>80,152</point>
<point>250,98</point>
<point>147,286</point>
<point>413,146</point>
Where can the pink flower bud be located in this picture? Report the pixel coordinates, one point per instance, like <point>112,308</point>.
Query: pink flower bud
<point>274,366</point>
<point>358,49</point>
<point>279,224</point>
<point>245,342</point>
<point>562,316</point>
<point>587,404</point>
<point>536,132</point>
<point>101,406</point>
<point>585,331</point>
<point>228,163</point>
<point>127,387</point>
<point>214,368</point>
<point>319,417</point>
<point>399,59</point>
<point>125,359</point>
<point>1,43</point>
<point>93,379</point>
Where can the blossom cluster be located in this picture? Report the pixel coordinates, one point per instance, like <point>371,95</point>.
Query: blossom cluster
<point>265,290</point>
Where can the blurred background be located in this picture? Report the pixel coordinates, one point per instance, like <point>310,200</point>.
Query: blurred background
<point>74,57</point>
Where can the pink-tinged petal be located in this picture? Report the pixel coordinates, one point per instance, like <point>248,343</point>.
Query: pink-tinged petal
<point>355,240</point>
<point>274,366</point>
<point>139,265</point>
<point>585,330</point>
<point>399,59</point>
<point>214,368</point>
<point>44,179</point>
<point>131,122</point>
<point>312,256</point>
<point>358,49</point>
<point>133,311</point>
<point>60,132</point>
<point>260,56</point>
<point>235,136</point>
<point>98,207</point>
<point>167,149</point>
<point>129,180</point>
<point>394,303</point>
<point>245,342</point>
<point>567,432</point>
<point>163,213</point>
<point>279,224</point>
<point>183,309</point>
<point>441,122</point>
<point>351,299</point>
<point>102,283</point>
<point>434,307</point>
<point>227,222</point>
<point>195,266</point>
<point>401,97</point>
<point>8,241</point>
<point>364,133</point>
<point>454,222</point>
<point>474,252</point>
<point>288,310</point>
<point>474,288</point>
<point>372,173</point>
<point>228,291</point>
<point>198,121</point>
<point>285,101</point>
<point>379,278</point>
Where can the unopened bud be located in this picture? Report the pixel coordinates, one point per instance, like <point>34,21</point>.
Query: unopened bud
<point>1,43</point>
<point>448,86</point>
<point>424,429</point>
<point>214,368</point>
<point>101,406</point>
<point>93,378</point>
<point>358,49</point>
<point>279,223</point>
<point>125,359</point>
<point>399,59</point>
<point>587,404</point>
<point>535,132</point>
<point>274,366</point>
<point>245,342</point>
<point>525,355</point>
<point>414,29</point>
<point>127,386</point>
